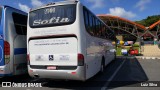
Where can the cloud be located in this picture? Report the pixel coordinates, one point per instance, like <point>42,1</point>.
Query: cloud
<point>142,4</point>
<point>97,3</point>
<point>23,7</point>
<point>36,3</point>
<point>121,12</point>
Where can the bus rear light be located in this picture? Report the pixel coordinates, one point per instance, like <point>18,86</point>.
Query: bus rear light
<point>6,48</point>
<point>28,59</point>
<point>80,60</point>
<point>30,71</point>
<point>7,52</point>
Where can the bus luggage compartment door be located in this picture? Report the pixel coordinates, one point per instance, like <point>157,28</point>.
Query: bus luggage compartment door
<point>53,51</point>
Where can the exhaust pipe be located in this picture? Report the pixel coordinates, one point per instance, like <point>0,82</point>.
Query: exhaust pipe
<point>36,76</point>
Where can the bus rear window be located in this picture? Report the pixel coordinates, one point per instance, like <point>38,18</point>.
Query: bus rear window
<point>0,14</point>
<point>53,16</point>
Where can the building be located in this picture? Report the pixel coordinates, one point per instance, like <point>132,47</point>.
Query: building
<point>127,30</point>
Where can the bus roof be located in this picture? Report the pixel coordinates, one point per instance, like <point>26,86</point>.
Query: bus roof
<point>6,6</point>
<point>56,3</point>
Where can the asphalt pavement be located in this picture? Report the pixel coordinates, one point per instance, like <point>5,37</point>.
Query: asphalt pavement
<point>121,74</point>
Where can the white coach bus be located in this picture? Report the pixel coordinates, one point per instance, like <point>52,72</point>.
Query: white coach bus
<point>67,41</point>
<point>13,46</point>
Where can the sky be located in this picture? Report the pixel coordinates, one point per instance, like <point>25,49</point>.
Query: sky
<point>130,9</point>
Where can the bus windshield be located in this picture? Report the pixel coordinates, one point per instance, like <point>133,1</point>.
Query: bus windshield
<point>0,14</point>
<point>53,16</point>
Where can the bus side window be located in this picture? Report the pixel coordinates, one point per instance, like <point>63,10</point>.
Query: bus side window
<point>108,33</point>
<point>91,24</point>
<point>96,27</point>
<point>86,20</point>
<point>98,30</point>
<point>20,24</point>
<point>103,31</point>
<point>111,35</point>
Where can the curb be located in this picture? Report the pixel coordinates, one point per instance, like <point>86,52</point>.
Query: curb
<point>138,57</point>
<point>153,58</point>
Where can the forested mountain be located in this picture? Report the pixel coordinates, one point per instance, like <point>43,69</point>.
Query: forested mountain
<point>149,20</point>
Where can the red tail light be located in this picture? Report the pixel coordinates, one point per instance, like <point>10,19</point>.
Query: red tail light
<point>28,58</point>
<point>80,60</point>
<point>6,48</point>
<point>7,52</point>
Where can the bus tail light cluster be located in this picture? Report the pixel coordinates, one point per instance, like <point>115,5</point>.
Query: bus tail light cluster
<point>7,52</point>
<point>80,60</point>
<point>28,59</point>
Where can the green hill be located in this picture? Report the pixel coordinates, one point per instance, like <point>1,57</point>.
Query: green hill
<point>149,20</point>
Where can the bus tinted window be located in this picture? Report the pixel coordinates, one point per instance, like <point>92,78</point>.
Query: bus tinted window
<point>96,27</point>
<point>53,16</point>
<point>20,22</point>
<point>0,14</point>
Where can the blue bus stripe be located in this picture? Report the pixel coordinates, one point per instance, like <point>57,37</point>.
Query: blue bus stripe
<point>1,52</point>
<point>20,51</point>
<point>2,63</point>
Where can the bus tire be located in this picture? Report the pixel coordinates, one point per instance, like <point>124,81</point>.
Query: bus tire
<point>102,65</point>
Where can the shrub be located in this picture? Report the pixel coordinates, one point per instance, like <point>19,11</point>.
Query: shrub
<point>135,45</point>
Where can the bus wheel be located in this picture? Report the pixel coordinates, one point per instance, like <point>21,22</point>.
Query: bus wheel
<point>102,66</point>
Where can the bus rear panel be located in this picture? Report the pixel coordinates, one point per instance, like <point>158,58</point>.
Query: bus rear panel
<point>53,48</point>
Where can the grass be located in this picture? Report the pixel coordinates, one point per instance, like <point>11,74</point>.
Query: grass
<point>118,52</point>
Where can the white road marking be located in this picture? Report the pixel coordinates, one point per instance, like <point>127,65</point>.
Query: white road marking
<point>114,74</point>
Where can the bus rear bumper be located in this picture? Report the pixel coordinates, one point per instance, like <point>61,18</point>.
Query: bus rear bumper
<point>4,71</point>
<point>77,74</point>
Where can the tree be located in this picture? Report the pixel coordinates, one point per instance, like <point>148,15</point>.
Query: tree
<point>149,20</point>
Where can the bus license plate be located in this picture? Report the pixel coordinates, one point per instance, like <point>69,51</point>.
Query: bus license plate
<point>51,68</point>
